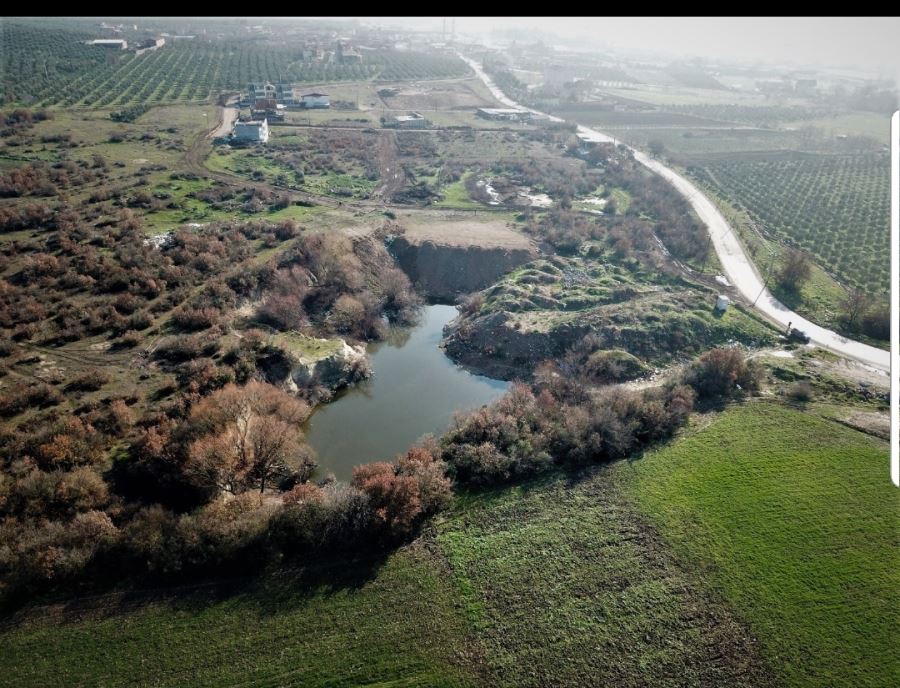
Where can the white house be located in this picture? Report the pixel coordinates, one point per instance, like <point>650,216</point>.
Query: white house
<point>251,131</point>
<point>315,100</point>
<point>261,91</point>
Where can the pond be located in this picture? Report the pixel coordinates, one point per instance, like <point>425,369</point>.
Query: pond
<point>415,390</point>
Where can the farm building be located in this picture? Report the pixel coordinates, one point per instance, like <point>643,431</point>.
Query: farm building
<point>259,94</point>
<point>251,131</point>
<point>265,104</point>
<point>261,91</point>
<point>315,100</point>
<point>411,121</point>
<point>506,114</point>
<point>149,44</point>
<point>115,43</point>
<point>284,94</point>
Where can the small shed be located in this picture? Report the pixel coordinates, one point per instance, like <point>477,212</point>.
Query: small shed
<point>411,121</point>
<point>722,303</point>
<point>315,100</point>
<point>251,131</point>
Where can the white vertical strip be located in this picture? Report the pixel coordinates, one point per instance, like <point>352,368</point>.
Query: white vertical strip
<point>895,298</point>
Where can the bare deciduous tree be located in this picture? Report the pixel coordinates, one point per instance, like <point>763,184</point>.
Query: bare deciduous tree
<point>249,436</point>
<point>795,270</point>
<point>855,304</point>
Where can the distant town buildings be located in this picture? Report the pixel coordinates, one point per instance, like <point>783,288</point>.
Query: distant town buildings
<point>149,45</point>
<point>255,131</point>
<point>139,47</point>
<point>344,54</point>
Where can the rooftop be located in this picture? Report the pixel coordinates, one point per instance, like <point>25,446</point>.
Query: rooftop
<point>503,111</point>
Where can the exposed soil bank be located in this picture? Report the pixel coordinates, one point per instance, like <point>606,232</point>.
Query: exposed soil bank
<point>341,366</point>
<point>448,259</point>
<point>492,345</point>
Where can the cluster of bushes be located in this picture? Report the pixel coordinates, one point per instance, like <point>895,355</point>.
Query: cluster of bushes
<point>128,114</point>
<point>556,423</point>
<point>568,230</point>
<point>559,178</point>
<point>23,397</point>
<point>21,118</point>
<point>228,481</point>
<point>525,434</point>
<point>336,286</point>
<point>348,152</point>
<point>652,197</point>
<point>24,216</point>
<point>30,180</point>
<point>125,278</point>
<point>224,484</point>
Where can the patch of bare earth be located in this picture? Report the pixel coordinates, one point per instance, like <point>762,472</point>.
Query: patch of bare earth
<point>870,422</point>
<point>488,234</point>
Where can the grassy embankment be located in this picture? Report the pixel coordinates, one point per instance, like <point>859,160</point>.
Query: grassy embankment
<point>761,519</point>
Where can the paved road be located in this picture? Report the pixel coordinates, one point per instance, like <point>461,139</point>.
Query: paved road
<point>741,271</point>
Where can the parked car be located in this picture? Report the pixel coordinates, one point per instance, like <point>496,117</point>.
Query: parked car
<point>796,335</point>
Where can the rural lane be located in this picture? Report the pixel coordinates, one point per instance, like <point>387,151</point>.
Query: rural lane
<point>738,267</point>
<point>230,114</point>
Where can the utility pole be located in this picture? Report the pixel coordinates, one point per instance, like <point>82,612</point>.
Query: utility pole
<point>706,254</point>
<point>768,275</point>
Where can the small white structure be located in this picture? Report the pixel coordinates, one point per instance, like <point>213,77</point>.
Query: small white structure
<point>117,43</point>
<point>251,131</point>
<point>507,114</point>
<point>411,121</point>
<point>722,303</point>
<point>315,100</point>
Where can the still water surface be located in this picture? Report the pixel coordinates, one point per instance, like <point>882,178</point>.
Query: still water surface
<point>415,390</point>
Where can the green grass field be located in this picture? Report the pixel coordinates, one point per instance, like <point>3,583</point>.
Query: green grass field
<point>455,195</point>
<point>398,628</point>
<point>792,519</point>
<point>566,585</point>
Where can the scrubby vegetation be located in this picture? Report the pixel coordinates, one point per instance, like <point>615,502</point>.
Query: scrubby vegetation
<point>524,435</point>
<point>227,483</point>
<point>546,309</point>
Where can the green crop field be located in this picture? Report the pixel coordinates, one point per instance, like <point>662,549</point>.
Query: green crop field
<point>834,207</point>
<point>398,627</point>
<point>566,584</point>
<point>793,519</point>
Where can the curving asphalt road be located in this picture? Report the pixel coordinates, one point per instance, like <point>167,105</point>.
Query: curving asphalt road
<point>741,271</point>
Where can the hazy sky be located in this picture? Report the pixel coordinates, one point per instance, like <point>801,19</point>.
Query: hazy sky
<point>867,42</point>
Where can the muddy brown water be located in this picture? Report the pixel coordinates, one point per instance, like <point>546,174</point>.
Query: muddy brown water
<point>415,390</point>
